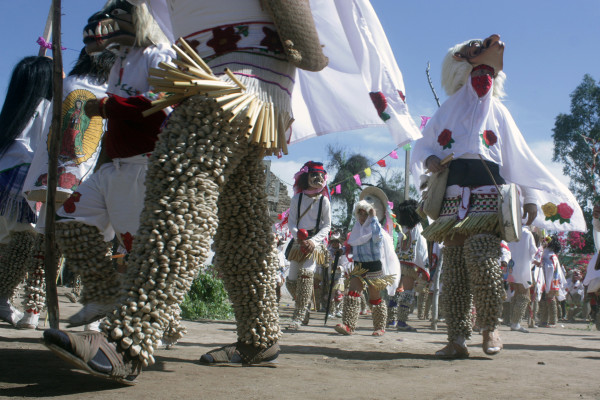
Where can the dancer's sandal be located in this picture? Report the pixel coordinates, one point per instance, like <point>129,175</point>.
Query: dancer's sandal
<point>453,351</point>
<point>491,342</point>
<point>93,353</point>
<point>242,355</point>
<point>379,332</point>
<point>343,329</point>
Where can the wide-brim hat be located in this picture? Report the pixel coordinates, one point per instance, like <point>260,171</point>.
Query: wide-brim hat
<point>374,192</point>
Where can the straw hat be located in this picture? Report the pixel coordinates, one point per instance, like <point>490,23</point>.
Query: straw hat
<point>377,198</point>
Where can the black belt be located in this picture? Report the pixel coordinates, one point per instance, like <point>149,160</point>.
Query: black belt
<point>471,173</point>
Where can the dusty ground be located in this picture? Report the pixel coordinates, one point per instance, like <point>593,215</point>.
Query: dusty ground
<point>315,363</point>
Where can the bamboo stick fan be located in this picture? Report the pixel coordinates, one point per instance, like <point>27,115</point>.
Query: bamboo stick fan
<point>190,76</point>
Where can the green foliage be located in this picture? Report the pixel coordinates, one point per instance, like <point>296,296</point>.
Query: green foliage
<point>577,145</point>
<point>346,167</point>
<point>207,298</point>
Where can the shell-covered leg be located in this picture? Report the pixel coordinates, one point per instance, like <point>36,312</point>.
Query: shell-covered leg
<point>552,311</point>
<point>246,256</point>
<point>14,260</point>
<point>423,291</point>
<point>351,309</point>
<point>428,300</point>
<point>392,314</point>
<point>89,256</point>
<point>34,300</point>
<point>543,305</point>
<point>303,296</point>
<point>456,296</point>
<point>177,222</point>
<point>519,306</point>
<point>12,271</point>
<point>379,316</point>
<point>482,255</point>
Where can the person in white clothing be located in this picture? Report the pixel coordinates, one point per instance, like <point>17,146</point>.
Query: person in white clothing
<point>309,223</point>
<point>414,261</point>
<point>475,128</point>
<point>523,253</point>
<point>24,120</point>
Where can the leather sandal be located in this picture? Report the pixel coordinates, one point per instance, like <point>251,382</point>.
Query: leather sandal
<point>242,355</point>
<point>83,351</point>
<point>491,342</point>
<point>453,351</point>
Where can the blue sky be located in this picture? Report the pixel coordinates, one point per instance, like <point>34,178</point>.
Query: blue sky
<point>550,45</point>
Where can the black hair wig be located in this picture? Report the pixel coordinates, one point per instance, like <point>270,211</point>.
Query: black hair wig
<point>31,81</point>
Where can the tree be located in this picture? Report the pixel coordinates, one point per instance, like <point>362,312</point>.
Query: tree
<point>346,167</point>
<point>577,145</point>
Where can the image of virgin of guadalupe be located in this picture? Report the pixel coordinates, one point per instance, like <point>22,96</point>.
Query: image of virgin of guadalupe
<point>74,125</point>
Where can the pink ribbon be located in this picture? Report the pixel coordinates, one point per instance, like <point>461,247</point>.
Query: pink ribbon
<point>47,45</point>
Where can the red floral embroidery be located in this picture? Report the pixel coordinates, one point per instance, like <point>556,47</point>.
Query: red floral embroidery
<point>69,205</point>
<point>127,239</point>
<point>66,180</point>
<point>380,103</point>
<point>224,40</point>
<point>271,41</point>
<point>402,96</point>
<point>194,43</point>
<point>489,138</point>
<point>564,211</point>
<point>445,139</point>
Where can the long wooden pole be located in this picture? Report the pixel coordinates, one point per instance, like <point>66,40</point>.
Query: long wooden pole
<point>51,259</point>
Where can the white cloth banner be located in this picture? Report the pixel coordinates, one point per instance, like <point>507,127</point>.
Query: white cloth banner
<point>361,87</point>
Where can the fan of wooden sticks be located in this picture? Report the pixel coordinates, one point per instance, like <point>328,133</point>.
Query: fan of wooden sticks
<point>192,76</point>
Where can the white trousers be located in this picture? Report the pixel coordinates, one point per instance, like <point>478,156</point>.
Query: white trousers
<point>296,266</point>
<point>111,199</point>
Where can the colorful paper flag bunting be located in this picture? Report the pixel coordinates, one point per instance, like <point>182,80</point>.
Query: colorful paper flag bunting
<point>381,163</point>
<point>424,121</point>
<point>357,180</point>
<point>394,155</point>
<point>368,171</point>
<point>338,189</point>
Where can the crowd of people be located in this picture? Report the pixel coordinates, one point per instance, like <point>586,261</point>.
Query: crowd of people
<point>144,188</point>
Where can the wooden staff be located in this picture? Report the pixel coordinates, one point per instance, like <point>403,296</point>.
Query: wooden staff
<point>51,259</point>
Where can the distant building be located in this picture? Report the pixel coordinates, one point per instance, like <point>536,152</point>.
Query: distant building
<point>277,194</point>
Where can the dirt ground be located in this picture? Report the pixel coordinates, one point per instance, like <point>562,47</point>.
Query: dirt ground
<point>317,363</point>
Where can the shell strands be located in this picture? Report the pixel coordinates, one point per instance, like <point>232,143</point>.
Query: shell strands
<point>379,316</point>
<point>35,284</point>
<point>482,255</point>
<point>303,294</point>
<point>191,76</point>
<point>392,314</point>
<point>456,297</point>
<point>89,256</point>
<point>14,259</point>
<point>199,154</point>
<point>350,311</point>
<point>405,302</point>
